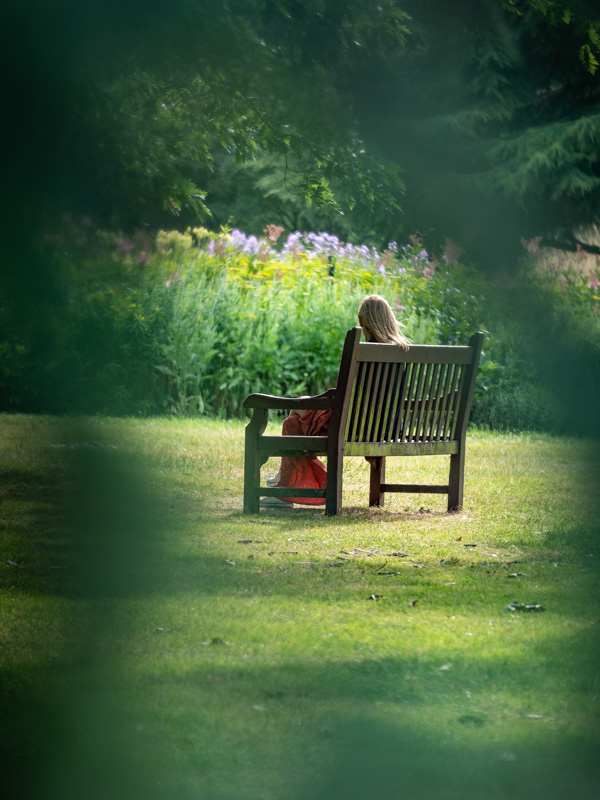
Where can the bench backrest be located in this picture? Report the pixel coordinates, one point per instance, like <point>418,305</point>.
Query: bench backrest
<point>420,395</point>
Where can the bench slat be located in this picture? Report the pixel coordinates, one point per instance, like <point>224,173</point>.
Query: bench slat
<point>452,405</point>
<point>364,407</point>
<point>404,409</point>
<point>400,448</point>
<point>274,491</point>
<point>459,392</point>
<point>415,488</point>
<point>378,398</point>
<point>303,444</point>
<point>441,424</point>
<point>417,353</point>
<point>430,426</point>
<point>431,395</point>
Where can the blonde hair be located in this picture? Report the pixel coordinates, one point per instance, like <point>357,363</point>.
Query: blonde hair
<point>377,318</point>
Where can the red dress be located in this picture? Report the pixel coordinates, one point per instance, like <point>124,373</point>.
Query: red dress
<point>305,472</point>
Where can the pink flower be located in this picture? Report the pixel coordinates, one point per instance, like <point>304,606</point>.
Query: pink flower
<point>274,232</point>
<point>593,281</point>
<point>398,305</point>
<point>143,240</point>
<point>125,246</point>
<point>531,245</point>
<point>173,279</point>
<point>452,251</point>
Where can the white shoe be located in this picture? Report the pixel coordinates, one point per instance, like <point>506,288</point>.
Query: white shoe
<point>275,501</point>
<point>274,480</point>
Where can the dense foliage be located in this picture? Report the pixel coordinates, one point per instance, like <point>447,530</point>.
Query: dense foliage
<point>191,323</point>
<point>494,112</point>
<point>120,110</point>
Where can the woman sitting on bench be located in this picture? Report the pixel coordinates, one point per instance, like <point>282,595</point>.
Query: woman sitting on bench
<point>379,324</point>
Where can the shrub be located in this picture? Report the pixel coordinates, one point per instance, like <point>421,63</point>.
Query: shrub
<point>191,323</point>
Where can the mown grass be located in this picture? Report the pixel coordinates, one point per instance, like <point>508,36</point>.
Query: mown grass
<point>157,642</point>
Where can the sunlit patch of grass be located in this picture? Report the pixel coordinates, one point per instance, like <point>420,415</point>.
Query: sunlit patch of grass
<point>263,656</point>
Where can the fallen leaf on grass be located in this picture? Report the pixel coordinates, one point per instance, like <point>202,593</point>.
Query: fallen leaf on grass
<point>165,630</point>
<point>445,667</point>
<point>449,583</point>
<point>388,573</point>
<point>516,575</point>
<point>398,555</point>
<point>231,563</point>
<point>516,606</point>
<point>376,597</point>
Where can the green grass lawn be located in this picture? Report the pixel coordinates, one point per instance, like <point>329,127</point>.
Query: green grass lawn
<point>155,642</point>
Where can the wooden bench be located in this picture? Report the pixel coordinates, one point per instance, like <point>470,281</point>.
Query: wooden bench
<point>387,402</point>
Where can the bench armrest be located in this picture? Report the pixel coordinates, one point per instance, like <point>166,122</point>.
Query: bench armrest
<point>318,401</point>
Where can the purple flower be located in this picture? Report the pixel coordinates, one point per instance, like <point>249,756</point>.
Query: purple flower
<point>251,246</point>
<point>238,238</point>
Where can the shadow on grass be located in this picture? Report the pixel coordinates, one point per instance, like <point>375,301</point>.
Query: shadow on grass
<point>76,737</point>
<point>79,741</point>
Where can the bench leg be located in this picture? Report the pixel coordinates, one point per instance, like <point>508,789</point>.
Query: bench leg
<point>333,490</point>
<point>253,462</point>
<point>251,483</point>
<point>457,480</point>
<point>377,477</point>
